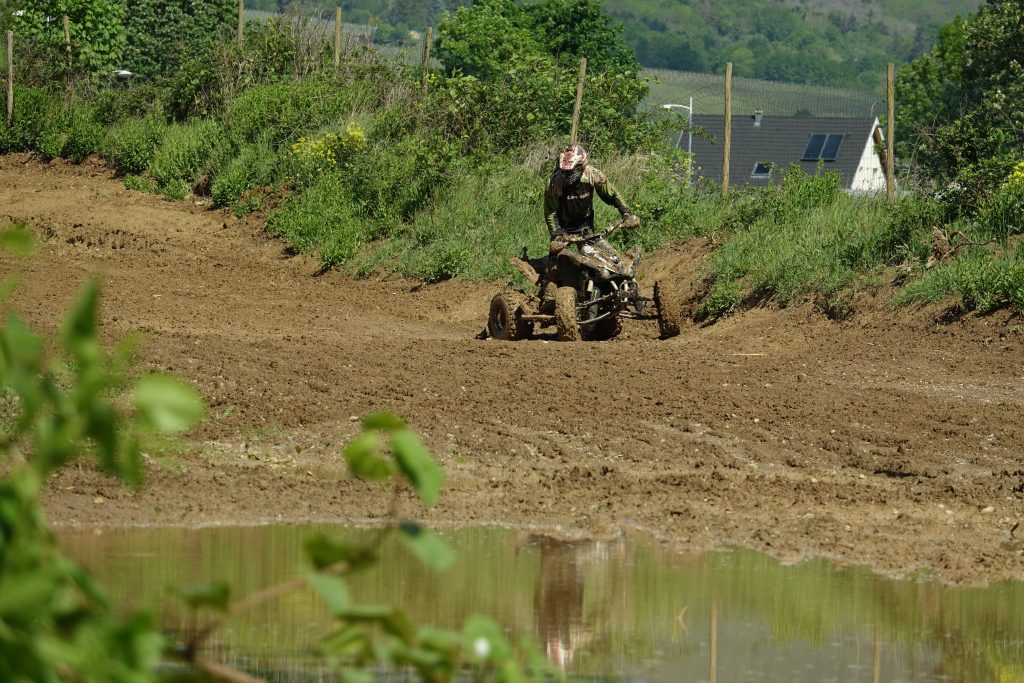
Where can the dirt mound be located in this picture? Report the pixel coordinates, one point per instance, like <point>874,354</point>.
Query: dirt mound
<point>886,439</point>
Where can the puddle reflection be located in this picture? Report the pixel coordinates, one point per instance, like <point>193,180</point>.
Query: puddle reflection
<point>624,610</point>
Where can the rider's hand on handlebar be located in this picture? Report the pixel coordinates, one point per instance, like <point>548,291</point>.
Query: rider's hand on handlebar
<point>629,221</point>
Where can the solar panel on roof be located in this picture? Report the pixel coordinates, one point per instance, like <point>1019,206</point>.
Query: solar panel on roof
<point>813,150</point>
<point>831,149</point>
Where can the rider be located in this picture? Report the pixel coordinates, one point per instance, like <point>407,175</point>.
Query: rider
<point>569,201</point>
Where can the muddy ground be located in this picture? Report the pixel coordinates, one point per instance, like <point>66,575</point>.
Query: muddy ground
<point>890,439</point>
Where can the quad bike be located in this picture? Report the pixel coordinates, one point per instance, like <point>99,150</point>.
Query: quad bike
<point>590,290</point>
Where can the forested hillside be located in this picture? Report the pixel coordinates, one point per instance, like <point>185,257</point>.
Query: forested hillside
<point>804,41</point>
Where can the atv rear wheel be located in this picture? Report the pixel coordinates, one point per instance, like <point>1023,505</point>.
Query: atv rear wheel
<point>670,308</point>
<point>565,314</point>
<point>505,319</point>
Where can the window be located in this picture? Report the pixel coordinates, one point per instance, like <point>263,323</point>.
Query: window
<point>831,150</point>
<point>814,145</point>
<point>823,146</point>
<point>762,171</point>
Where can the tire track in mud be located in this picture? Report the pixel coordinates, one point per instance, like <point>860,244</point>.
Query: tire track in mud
<point>885,439</point>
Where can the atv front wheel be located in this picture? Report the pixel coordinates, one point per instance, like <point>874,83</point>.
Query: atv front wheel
<point>565,314</point>
<point>505,319</point>
<point>670,308</point>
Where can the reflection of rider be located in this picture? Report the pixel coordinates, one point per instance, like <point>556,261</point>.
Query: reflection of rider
<point>558,601</point>
<point>569,200</point>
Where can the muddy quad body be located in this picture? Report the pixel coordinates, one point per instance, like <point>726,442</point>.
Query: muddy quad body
<point>591,289</point>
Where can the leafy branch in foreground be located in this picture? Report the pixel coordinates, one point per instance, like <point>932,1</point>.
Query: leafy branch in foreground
<point>364,636</point>
<point>56,623</point>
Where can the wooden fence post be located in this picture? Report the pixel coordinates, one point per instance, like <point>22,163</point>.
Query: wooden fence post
<point>241,21</point>
<point>727,146</point>
<point>67,43</point>
<point>579,101</point>
<point>427,39</point>
<point>890,133</point>
<point>337,37</point>
<point>10,78</point>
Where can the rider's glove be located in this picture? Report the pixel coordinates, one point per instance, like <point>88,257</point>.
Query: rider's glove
<point>559,241</point>
<point>630,221</point>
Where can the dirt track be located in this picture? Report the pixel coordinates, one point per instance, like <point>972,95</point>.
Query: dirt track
<point>888,440</point>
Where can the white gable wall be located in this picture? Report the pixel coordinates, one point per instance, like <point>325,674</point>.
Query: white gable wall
<point>870,176</point>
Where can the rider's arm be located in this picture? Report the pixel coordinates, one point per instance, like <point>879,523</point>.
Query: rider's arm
<point>551,211</point>
<point>607,192</point>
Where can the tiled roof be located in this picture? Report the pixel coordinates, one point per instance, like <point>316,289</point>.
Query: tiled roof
<point>780,140</point>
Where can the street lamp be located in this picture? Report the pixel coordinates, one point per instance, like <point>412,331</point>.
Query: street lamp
<point>689,128</point>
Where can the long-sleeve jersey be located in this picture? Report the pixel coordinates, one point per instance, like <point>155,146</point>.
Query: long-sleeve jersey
<point>571,207</point>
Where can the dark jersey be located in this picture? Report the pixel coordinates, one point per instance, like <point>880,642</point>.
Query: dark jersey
<point>571,207</point>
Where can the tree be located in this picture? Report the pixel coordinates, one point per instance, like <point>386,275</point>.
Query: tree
<point>962,104</point>
<point>161,32</point>
<point>98,36</point>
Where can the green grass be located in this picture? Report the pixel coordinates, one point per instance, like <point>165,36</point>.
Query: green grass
<point>976,281</point>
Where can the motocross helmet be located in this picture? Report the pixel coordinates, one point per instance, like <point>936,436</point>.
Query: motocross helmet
<point>571,162</point>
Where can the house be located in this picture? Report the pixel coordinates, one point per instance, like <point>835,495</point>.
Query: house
<point>763,145</point>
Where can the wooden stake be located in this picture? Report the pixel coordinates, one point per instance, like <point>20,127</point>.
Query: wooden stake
<point>727,147</point>
<point>890,133</point>
<point>67,42</point>
<point>10,78</point>
<point>427,40</point>
<point>337,37</point>
<point>876,660</point>
<point>241,21</point>
<point>713,664</point>
<point>579,101</point>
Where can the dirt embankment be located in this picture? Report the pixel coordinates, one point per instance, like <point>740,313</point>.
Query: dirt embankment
<point>887,440</point>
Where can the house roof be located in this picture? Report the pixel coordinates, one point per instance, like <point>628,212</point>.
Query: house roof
<point>782,140</point>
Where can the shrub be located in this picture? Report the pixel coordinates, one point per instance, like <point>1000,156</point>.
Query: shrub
<point>85,135</point>
<point>252,167</point>
<point>34,110</point>
<point>323,219</point>
<point>284,111</point>
<point>185,154</point>
<point>131,144</point>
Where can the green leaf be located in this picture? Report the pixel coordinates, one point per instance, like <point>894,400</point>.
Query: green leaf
<point>17,240</point>
<point>484,640</point>
<point>215,595</point>
<point>80,326</point>
<point>332,589</point>
<point>416,463</point>
<point>356,676</point>
<point>509,672</point>
<point>324,551</point>
<point>427,546</point>
<point>165,404</point>
<point>385,422</point>
<point>23,595</point>
<point>363,461</point>
<point>8,286</point>
<point>345,641</point>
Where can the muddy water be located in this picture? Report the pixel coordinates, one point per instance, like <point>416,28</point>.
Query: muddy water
<point>627,609</point>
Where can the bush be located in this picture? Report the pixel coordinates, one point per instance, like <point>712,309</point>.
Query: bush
<point>323,219</point>
<point>254,166</point>
<point>284,111</point>
<point>34,111</point>
<point>131,144</point>
<point>185,154</point>
<point>85,135</point>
